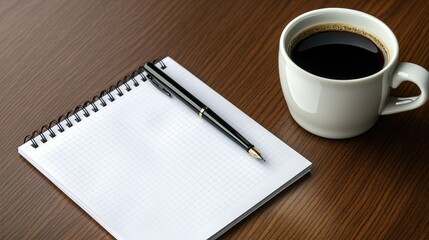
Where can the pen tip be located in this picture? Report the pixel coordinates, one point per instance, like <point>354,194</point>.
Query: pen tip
<point>256,153</point>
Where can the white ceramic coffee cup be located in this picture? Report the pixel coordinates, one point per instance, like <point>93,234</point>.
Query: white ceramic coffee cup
<point>346,108</point>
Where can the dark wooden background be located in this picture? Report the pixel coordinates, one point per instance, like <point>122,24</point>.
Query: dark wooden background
<point>56,54</point>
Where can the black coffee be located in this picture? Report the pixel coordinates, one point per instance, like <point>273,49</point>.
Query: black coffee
<point>338,52</point>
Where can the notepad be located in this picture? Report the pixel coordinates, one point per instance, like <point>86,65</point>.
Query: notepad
<point>145,166</point>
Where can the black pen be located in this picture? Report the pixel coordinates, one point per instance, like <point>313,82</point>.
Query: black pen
<point>163,82</point>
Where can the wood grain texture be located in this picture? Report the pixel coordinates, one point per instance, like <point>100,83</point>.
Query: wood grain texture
<point>56,54</point>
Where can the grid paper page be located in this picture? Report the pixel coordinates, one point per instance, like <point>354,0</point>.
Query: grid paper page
<point>147,167</point>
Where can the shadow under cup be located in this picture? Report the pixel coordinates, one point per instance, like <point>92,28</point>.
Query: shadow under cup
<point>336,108</point>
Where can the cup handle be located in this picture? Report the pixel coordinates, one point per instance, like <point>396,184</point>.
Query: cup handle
<point>408,72</point>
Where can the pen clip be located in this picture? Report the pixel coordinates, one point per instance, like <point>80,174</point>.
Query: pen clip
<point>158,85</point>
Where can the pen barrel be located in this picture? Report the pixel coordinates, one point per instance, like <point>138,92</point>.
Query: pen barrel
<point>173,87</point>
<point>227,129</point>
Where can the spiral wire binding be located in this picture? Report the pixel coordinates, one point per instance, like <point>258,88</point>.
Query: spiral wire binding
<point>84,107</point>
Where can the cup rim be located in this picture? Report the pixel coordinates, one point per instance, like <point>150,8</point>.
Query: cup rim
<point>392,50</point>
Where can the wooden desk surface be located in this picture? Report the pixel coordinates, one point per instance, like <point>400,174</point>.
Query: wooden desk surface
<point>56,54</point>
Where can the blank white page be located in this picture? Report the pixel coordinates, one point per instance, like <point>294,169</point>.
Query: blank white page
<point>147,167</point>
